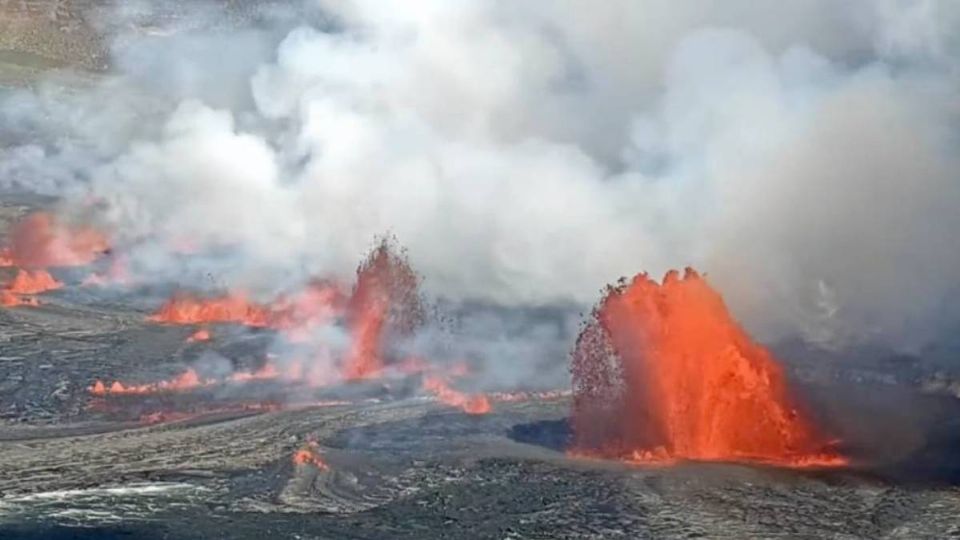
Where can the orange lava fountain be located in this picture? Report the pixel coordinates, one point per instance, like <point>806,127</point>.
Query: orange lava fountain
<point>386,293</point>
<point>33,282</point>
<point>39,240</point>
<point>664,373</point>
<point>27,282</point>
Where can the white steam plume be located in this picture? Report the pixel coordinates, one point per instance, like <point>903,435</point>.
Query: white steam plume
<point>800,152</point>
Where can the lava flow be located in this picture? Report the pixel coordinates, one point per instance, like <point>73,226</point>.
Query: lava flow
<point>663,373</point>
<point>317,304</point>
<point>470,404</point>
<point>188,380</point>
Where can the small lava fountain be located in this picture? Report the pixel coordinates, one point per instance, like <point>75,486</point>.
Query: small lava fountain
<point>664,373</point>
<point>41,240</point>
<point>38,241</point>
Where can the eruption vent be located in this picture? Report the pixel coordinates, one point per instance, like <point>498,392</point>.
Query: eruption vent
<point>664,373</point>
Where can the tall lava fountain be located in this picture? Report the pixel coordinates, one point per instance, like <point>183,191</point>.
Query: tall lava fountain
<point>663,372</point>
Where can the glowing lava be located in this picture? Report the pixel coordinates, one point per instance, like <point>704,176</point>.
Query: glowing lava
<point>39,240</point>
<point>309,454</point>
<point>33,282</point>
<point>386,293</point>
<point>470,404</point>
<point>385,302</point>
<point>317,304</point>
<point>9,299</point>
<point>27,282</point>
<point>185,309</point>
<point>188,380</point>
<point>200,335</point>
<point>664,373</point>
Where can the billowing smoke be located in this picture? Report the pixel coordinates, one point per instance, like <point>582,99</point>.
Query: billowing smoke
<point>526,153</point>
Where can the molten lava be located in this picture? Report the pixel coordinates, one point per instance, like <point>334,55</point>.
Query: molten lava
<point>309,454</point>
<point>317,304</point>
<point>9,299</point>
<point>185,309</point>
<point>470,404</point>
<point>664,373</point>
<point>41,241</point>
<point>188,380</point>
<point>364,359</point>
<point>385,299</point>
<point>33,282</point>
<point>200,335</point>
<point>27,282</point>
<point>386,295</point>
<point>384,302</point>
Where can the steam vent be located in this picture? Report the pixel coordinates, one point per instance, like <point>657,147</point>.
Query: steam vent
<point>352,269</point>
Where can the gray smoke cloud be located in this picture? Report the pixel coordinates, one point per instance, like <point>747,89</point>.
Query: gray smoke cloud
<point>798,152</point>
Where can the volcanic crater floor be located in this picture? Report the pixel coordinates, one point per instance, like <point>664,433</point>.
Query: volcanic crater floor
<point>402,467</point>
<point>368,460</point>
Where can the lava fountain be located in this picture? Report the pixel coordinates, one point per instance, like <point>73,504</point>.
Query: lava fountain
<point>663,373</point>
<point>386,297</point>
<point>33,282</point>
<point>40,240</point>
